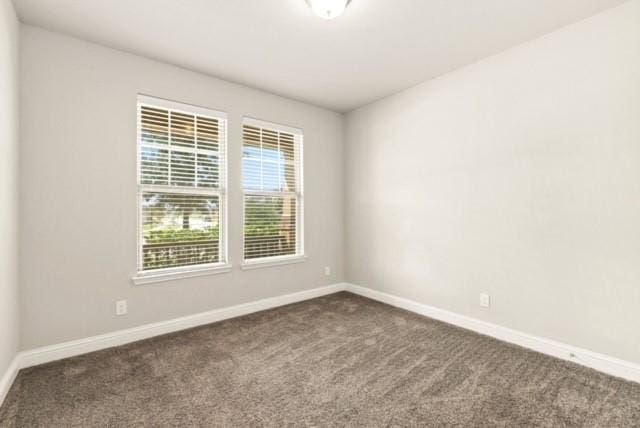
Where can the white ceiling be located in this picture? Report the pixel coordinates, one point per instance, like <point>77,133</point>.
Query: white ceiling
<point>376,48</point>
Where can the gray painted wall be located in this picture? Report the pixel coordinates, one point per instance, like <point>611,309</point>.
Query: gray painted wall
<point>9,67</point>
<point>518,176</point>
<point>78,191</point>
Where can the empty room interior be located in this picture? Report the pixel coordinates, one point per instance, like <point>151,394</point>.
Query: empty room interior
<point>408,213</point>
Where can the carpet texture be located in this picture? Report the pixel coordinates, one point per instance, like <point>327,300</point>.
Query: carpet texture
<point>339,360</point>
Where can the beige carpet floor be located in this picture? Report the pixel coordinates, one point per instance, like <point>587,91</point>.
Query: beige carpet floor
<point>339,360</point>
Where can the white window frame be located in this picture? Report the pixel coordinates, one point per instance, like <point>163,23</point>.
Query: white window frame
<point>300,255</point>
<point>172,273</point>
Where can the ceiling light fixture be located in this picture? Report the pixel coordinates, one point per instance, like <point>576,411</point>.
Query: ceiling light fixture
<point>328,9</point>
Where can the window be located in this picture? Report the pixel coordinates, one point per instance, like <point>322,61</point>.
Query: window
<point>272,183</point>
<point>181,187</point>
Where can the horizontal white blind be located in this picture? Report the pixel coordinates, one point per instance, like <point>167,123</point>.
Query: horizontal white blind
<point>180,185</point>
<point>271,166</point>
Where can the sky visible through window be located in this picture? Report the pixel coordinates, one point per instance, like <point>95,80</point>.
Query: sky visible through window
<point>264,169</point>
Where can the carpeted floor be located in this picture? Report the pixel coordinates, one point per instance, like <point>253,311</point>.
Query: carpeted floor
<point>339,360</point>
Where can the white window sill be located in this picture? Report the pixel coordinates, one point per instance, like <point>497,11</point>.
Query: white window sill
<point>170,275</point>
<point>272,261</point>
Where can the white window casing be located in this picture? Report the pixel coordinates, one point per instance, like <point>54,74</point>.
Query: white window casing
<point>182,200</point>
<point>273,198</point>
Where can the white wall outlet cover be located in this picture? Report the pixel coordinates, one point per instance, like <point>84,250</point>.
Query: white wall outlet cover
<point>327,270</point>
<point>121,307</point>
<point>485,300</point>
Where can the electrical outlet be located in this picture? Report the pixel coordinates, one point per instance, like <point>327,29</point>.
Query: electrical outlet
<point>485,300</point>
<point>327,270</point>
<point>121,307</point>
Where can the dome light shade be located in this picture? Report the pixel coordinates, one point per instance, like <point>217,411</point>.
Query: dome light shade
<point>328,9</point>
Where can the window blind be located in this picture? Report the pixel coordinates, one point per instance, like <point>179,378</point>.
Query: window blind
<point>181,185</point>
<point>272,183</point>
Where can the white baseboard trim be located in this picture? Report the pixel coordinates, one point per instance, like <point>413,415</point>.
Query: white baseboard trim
<point>604,363</point>
<point>600,362</point>
<point>8,377</point>
<point>47,354</point>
